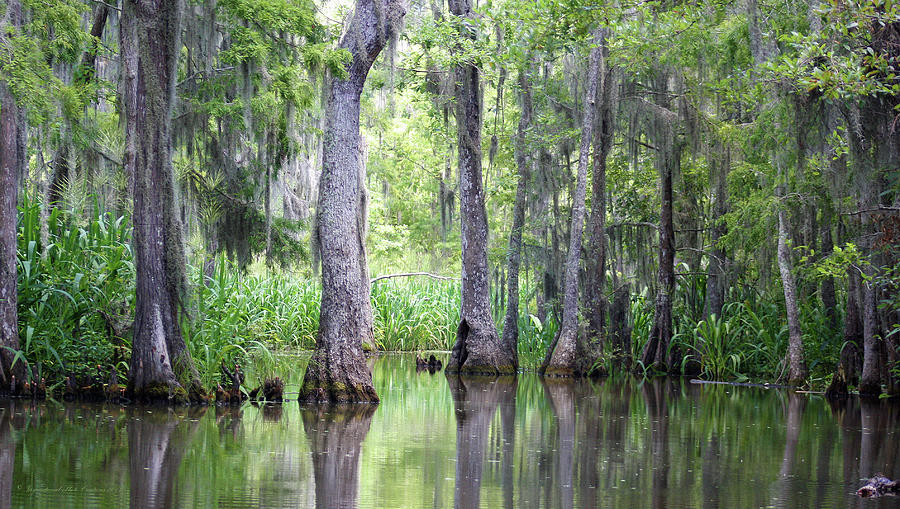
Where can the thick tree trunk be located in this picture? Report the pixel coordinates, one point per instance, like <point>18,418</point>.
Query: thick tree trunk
<point>565,356</point>
<point>337,370</point>
<point>797,372</point>
<point>853,330</point>
<point>595,304</point>
<point>657,354</point>
<point>870,378</point>
<point>478,348</point>
<point>715,280</point>
<point>150,40</point>
<point>475,401</point>
<point>156,445</point>
<point>511,321</point>
<point>335,438</point>
<point>12,161</point>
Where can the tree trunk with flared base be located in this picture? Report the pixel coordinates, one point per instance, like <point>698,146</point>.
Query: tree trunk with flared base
<point>161,367</point>
<point>478,349</point>
<point>337,371</point>
<point>567,355</point>
<point>12,160</point>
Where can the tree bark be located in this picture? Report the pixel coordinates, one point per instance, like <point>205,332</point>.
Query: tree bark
<point>870,378</point>
<point>853,330</point>
<point>797,372</point>
<point>161,367</point>
<point>12,162</point>
<point>478,349</point>
<point>565,356</point>
<point>657,354</point>
<point>595,304</point>
<point>511,321</point>
<point>715,280</point>
<point>337,371</point>
<point>335,438</point>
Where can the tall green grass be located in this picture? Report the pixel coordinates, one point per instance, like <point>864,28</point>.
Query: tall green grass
<point>76,289</point>
<point>415,313</point>
<point>71,286</point>
<point>240,312</point>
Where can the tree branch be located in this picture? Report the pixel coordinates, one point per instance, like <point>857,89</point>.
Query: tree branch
<point>874,209</point>
<point>409,274</point>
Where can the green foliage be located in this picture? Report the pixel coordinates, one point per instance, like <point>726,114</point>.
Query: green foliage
<point>75,290</point>
<point>850,58</point>
<point>52,32</point>
<point>415,314</point>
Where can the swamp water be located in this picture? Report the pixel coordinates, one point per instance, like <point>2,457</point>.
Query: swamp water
<point>436,441</point>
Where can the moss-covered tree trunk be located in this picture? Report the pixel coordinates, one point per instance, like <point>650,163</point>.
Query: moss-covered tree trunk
<point>595,304</point>
<point>514,253</point>
<point>853,329</point>
<point>715,279</point>
<point>797,371</point>
<point>657,354</point>
<point>12,161</point>
<point>335,438</point>
<point>161,366</point>
<point>563,357</point>
<point>478,348</point>
<point>337,370</point>
<point>870,379</point>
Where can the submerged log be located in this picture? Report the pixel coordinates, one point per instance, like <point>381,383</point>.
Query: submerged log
<point>879,485</point>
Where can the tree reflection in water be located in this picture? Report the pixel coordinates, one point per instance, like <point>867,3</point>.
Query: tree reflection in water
<point>7,455</point>
<point>656,399</point>
<point>561,395</point>
<point>476,400</point>
<point>336,434</point>
<point>157,441</point>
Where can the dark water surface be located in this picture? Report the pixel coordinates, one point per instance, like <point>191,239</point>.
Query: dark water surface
<point>439,442</point>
